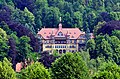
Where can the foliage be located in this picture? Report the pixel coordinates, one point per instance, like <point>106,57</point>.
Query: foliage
<point>116,33</point>
<point>25,50</point>
<point>35,71</point>
<point>46,59</point>
<point>3,44</point>
<point>108,70</point>
<point>108,27</point>
<point>69,66</point>
<point>6,71</point>
<point>91,47</point>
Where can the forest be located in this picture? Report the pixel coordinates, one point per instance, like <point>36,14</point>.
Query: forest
<point>20,20</point>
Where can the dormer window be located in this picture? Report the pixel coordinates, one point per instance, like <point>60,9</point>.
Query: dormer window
<point>60,34</point>
<point>44,32</point>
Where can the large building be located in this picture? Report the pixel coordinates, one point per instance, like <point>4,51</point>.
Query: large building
<point>62,39</point>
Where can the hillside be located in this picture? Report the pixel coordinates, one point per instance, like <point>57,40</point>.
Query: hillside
<point>20,21</point>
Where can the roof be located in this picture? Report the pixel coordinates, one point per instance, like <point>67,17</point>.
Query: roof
<point>73,33</point>
<point>19,66</point>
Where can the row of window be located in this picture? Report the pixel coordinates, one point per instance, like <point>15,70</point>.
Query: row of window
<point>64,42</point>
<point>60,42</point>
<point>73,46</point>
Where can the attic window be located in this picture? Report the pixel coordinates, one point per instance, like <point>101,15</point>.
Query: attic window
<point>60,34</point>
<point>47,36</point>
<point>74,32</point>
<point>70,33</point>
<point>49,33</point>
<point>44,32</point>
<point>72,36</point>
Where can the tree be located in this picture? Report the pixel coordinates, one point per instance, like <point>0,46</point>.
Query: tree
<point>115,15</point>
<point>6,71</point>
<point>69,66</point>
<point>108,70</point>
<point>3,44</point>
<point>116,33</point>
<point>103,47</point>
<point>35,71</point>
<point>29,16</point>
<point>52,17</point>
<point>91,47</point>
<point>67,20</point>
<point>25,50</point>
<point>46,59</point>
<point>108,27</point>
<point>115,45</point>
<point>78,20</point>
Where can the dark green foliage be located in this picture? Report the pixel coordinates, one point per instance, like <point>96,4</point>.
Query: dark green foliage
<point>35,71</point>
<point>25,50</point>
<point>70,66</point>
<point>91,47</point>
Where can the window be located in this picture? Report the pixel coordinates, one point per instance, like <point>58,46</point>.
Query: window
<point>70,41</point>
<point>45,42</point>
<point>65,46</point>
<point>72,36</point>
<point>60,34</point>
<point>59,46</point>
<point>75,41</point>
<point>82,36</point>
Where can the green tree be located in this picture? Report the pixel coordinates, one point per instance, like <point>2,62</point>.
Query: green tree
<point>25,50</point>
<point>67,20</point>
<point>5,27</point>
<point>91,47</point>
<point>35,71</point>
<point>97,27</point>
<point>52,17</point>
<point>115,44</point>
<point>6,71</point>
<point>103,47</point>
<point>70,66</point>
<point>115,15</point>
<point>108,70</point>
<point>29,16</point>
<point>3,44</point>
<point>116,33</point>
<point>78,20</point>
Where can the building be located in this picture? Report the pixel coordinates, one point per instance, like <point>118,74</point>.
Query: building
<point>62,39</point>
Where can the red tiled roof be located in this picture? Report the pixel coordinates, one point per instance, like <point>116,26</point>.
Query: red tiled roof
<point>73,33</point>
